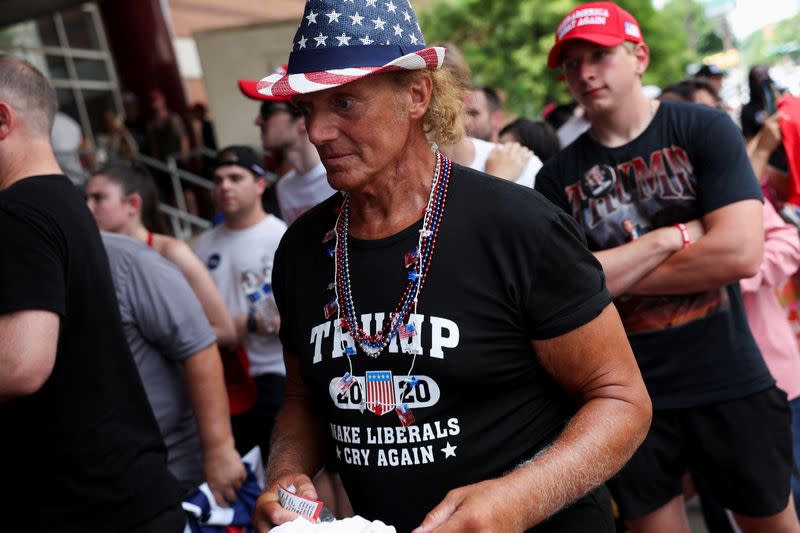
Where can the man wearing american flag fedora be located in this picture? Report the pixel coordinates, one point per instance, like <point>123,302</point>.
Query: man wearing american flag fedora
<point>448,337</point>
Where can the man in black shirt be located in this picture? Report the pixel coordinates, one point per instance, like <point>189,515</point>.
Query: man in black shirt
<point>499,397</point>
<point>81,450</point>
<point>678,174</point>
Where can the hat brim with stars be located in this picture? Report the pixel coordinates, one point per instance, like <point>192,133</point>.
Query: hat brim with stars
<point>365,39</point>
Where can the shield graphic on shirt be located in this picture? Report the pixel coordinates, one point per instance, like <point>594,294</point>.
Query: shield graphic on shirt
<point>380,392</point>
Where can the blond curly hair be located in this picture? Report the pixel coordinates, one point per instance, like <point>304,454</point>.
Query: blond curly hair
<point>442,122</point>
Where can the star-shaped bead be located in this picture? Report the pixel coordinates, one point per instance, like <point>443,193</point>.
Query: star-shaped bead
<point>406,16</point>
<point>311,17</point>
<point>356,19</point>
<point>302,42</point>
<point>379,24</point>
<point>333,16</point>
<point>366,41</point>
<point>320,39</point>
<point>344,39</point>
<point>413,38</point>
<point>390,7</point>
<point>397,29</point>
<point>449,450</point>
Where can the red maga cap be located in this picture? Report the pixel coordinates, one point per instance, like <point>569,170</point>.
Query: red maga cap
<point>603,23</point>
<point>249,88</point>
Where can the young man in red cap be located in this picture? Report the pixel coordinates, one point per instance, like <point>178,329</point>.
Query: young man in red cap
<point>660,167</point>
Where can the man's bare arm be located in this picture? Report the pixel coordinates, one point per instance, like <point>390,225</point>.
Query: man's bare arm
<point>28,344</point>
<point>296,453</point>
<point>730,250</point>
<point>205,384</point>
<point>595,365</point>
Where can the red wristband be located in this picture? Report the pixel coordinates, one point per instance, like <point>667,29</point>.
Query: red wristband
<point>687,240</point>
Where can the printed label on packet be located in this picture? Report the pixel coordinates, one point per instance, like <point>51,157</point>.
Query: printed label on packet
<point>299,504</point>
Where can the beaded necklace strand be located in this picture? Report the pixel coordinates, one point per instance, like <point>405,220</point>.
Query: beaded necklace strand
<point>417,261</point>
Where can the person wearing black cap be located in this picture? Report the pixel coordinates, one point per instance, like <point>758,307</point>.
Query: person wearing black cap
<point>239,253</point>
<point>713,74</point>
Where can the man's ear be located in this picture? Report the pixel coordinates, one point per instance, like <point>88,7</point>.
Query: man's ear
<point>642,54</point>
<point>419,91</point>
<point>8,120</point>
<point>261,183</point>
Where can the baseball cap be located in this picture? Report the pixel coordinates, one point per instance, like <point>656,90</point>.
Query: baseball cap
<point>603,23</point>
<point>709,71</point>
<point>241,156</point>
<point>249,88</point>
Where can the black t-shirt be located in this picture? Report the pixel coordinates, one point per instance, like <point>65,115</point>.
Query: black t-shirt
<point>84,452</point>
<point>507,268</point>
<point>692,349</point>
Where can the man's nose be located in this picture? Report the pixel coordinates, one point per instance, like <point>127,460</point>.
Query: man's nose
<point>321,127</point>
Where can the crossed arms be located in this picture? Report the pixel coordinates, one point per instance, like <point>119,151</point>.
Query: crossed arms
<point>727,245</point>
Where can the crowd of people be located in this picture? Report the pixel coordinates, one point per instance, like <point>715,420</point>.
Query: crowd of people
<point>564,325</point>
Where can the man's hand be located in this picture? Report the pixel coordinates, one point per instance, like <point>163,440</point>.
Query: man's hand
<point>487,506</point>
<point>224,473</point>
<point>507,160</point>
<point>268,512</point>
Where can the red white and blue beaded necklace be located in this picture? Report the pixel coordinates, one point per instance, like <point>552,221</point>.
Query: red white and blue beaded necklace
<point>416,261</point>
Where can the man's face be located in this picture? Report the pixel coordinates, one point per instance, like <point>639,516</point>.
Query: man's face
<point>359,129</point>
<point>279,129</point>
<point>716,82</point>
<point>237,191</point>
<point>477,116</point>
<point>602,78</point>
<point>158,105</point>
<point>703,97</point>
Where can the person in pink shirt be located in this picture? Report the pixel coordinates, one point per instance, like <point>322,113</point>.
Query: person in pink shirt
<point>768,321</point>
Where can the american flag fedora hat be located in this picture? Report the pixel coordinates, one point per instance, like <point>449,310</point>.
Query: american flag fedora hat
<point>340,41</point>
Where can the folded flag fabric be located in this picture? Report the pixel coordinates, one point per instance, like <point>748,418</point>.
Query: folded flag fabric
<point>204,515</point>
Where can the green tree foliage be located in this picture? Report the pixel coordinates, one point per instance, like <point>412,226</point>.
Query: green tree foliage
<point>506,44</point>
<point>770,44</point>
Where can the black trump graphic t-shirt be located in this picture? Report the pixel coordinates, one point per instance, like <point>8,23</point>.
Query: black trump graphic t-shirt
<point>508,267</point>
<point>692,349</point>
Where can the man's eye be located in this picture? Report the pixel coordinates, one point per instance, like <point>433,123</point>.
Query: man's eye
<point>600,54</point>
<point>344,103</point>
<point>570,64</point>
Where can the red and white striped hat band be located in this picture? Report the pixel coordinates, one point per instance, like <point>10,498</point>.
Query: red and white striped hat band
<point>309,82</point>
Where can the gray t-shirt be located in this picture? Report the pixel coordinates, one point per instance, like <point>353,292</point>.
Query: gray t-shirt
<point>164,324</point>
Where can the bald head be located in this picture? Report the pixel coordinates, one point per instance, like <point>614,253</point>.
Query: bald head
<point>29,94</point>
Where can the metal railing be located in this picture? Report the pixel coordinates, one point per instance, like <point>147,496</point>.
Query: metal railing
<point>183,223</point>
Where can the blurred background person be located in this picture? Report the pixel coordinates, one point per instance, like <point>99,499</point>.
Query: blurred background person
<point>123,199</point>
<point>762,103</point>
<point>537,136</point>
<point>67,140</point>
<point>483,113</point>
<point>176,354</point>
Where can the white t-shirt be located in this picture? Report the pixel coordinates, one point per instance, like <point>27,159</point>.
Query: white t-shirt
<point>228,253</point>
<point>297,193</point>
<point>66,139</point>
<point>482,150</point>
